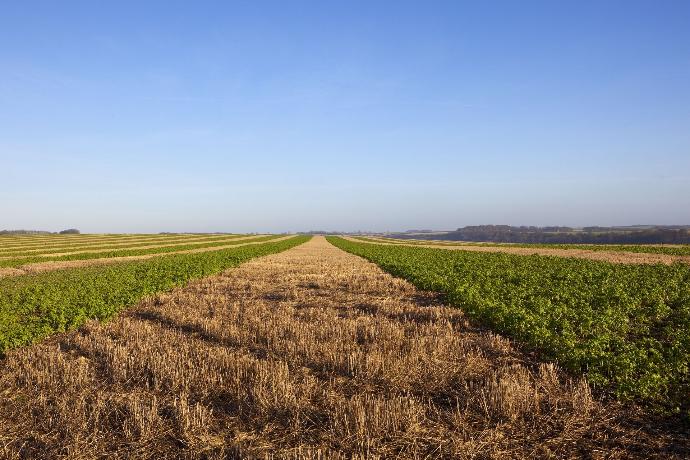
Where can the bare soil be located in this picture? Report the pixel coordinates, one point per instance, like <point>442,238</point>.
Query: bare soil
<point>311,353</point>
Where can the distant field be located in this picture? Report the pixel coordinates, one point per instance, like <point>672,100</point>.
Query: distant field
<point>46,240</point>
<point>676,250</point>
<point>95,249</point>
<point>43,244</point>
<point>661,250</point>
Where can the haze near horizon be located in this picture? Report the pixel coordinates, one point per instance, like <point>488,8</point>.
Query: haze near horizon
<point>259,117</point>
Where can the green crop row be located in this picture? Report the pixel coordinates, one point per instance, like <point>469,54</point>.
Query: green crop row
<point>19,261</point>
<point>34,306</point>
<point>683,250</point>
<point>30,252</point>
<point>626,327</point>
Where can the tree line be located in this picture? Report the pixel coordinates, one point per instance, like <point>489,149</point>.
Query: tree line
<point>563,235</point>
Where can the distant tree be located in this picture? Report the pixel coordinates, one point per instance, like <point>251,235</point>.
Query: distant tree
<point>23,232</point>
<point>70,231</point>
<point>589,235</point>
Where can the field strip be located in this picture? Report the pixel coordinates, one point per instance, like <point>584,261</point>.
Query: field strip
<point>603,256</point>
<point>39,267</point>
<point>90,235</point>
<point>127,246</point>
<point>17,261</point>
<point>498,243</point>
<point>49,244</point>
<point>111,241</point>
<point>310,353</point>
<point>668,249</point>
<point>82,237</point>
<point>402,240</point>
<point>104,245</point>
<point>95,241</point>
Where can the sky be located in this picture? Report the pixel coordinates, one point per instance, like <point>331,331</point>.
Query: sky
<point>343,115</point>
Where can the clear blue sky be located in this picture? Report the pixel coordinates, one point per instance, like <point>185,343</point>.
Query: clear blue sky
<point>273,116</point>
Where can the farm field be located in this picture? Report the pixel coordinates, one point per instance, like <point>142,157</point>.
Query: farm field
<point>307,353</point>
<point>38,304</point>
<point>18,261</point>
<point>625,254</point>
<point>670,249</point>
<point>626,327</point>
<point>239,346</point>
<point>367,230</point>
<point>47,247</point>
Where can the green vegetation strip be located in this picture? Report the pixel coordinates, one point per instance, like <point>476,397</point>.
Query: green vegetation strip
<point>108,245</point>
<point>34,306</point>
<point>19,261</point>
<point>626,327</point>
<point>674,251</point>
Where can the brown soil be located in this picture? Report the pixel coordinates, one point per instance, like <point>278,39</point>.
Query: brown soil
<point>605,256</point>
<point>60,265</point>
<point>311,353</point>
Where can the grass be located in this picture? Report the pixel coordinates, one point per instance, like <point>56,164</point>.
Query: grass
<point>34,306</point>
<point>626,327</point>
